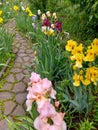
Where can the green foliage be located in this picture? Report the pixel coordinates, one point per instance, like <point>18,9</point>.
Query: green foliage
<point>6,40</point>
<point>77,98</point>
<point>45,5</point>
<point>6,11</point>
<point>86,125</point>
<point>95,114</point>
<point>50,59</point>
<point>24,22</point>
<point>38,5</point>
<point>46,58</point>
<point>89,9</point>
<point>23,122</point>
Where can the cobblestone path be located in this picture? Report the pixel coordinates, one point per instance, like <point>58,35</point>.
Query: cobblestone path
<point>13,93</point>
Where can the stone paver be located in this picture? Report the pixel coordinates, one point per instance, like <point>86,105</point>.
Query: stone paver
<point>20,98</point>
<point>19,111</point>
<point>16,70</point>
<point>5,95</point>
<point>19,87</point>
<point>19,59</point>
<point>19,76</point>
<point>7,86</point>
<point>7,105</point>
<point>13,93</point>
<point>3,125</point>
<point>10,78</point>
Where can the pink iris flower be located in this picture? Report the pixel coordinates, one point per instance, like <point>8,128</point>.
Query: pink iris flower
<point>35,77</point>
<point>43,123</point>
<point>41,89</point>
<point>47,111</point>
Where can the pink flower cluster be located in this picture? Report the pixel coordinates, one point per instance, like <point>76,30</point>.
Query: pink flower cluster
<point>40,91</point>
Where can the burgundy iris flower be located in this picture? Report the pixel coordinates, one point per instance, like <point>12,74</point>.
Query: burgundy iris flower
<point>58,26</point>
<point>46,22</point>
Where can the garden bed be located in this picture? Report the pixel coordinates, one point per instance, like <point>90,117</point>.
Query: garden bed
<point>69,66</point>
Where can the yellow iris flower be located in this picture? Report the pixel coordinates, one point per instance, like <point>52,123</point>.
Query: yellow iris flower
<point>76,79</point>
<point>27,9</point>
<point>79,58</point>
<point>77,49</point>
<point>86,81</point>
<point>94,75</point>
<point>0,12</point>
<point>51,32</point>
<point>16,7</point>
<point>90,56</point>
<point>70,45</point>
<point>91,76</point>
<point>31,14</point>
<point>95,42</point>
<point>1,20</point>
<point>95,49</point>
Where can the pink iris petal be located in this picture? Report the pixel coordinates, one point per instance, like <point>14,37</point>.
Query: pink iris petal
<point>64,126</point>
<point>41,124</point>
<point>46,84</point>
<point>54,127</point>
<point>38,124</point>
<point>29,89</point>
<point>37,88</point>
<point>46,109</point>
<point>29,104</point>
<point>53,93</point>
<point>30,95</point>
<point>58,118</point>
<point>35,77</point>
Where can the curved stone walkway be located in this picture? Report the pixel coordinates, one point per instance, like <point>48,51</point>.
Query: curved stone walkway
<point>13,93</point>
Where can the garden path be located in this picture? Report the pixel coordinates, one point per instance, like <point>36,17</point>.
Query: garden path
<point>13,93</point>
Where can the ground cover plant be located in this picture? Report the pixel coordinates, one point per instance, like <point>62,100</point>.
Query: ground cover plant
<point>66,70</point>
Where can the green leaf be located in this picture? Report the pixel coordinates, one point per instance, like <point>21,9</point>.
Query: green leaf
<point>74,103</point>
<point>1,64</point>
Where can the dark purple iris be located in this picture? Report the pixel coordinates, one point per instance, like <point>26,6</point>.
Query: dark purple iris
<point>46,22</point>
<point>58,26</point>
